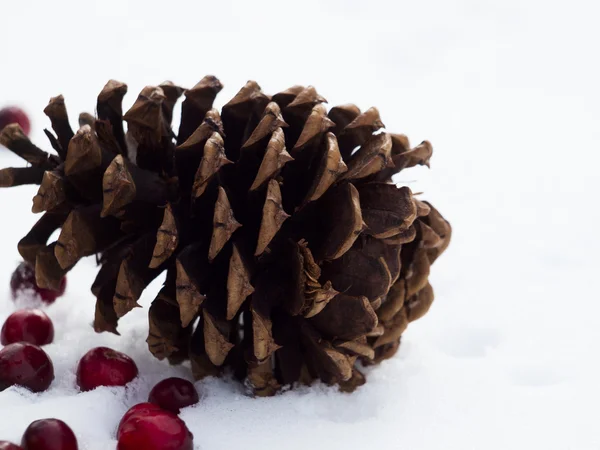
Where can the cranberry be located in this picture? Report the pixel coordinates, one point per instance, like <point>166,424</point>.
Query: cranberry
<point>173,394</point>
<point>49,434</point>
<point>14,114</point>
<point>23,281</point>
<point>5,445</point>
<point>25,365</point>
<point>155,430</point>
<point>103,366</point>
<point>141,409</point>
<point>27,325</point>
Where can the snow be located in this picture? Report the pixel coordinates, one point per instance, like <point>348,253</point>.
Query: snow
<point>508,94</point>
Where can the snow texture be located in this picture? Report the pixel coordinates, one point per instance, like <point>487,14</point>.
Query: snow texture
<point>508,94</point>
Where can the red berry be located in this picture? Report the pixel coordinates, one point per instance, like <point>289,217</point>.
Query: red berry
<point>27,325</point>
<point>25,365</point>
<point>14,114</point>
<point>141,409</point>
<point>154,430</point>
<point>5,445</point>
<point>103,366</point>
<point>49,434</point>
<point>173,394</point>
<point>23,282</point>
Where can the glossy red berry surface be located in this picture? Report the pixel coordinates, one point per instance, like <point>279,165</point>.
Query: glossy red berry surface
<point>14,114</point>
<point>27,325</point>
<point>141,409</point>
<point>173,394</point>
<point>26,365</point>
<point>103,366</point>
<point>155,430</point>
<point>5,445</point>
<point>22,284</point>
<point>49,434</point>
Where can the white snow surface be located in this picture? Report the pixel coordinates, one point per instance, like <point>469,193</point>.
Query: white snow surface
<point>508,93</point>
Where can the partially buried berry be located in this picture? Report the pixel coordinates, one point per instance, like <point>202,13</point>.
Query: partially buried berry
<point>49,434</point>
<point>173,394</point>
<point>26,365</point>
<point>103,366</point>
<point>23,284</point>
<point>5,445</point>
<point>14,114</point>
<point>155,429</point>
<point>27,325</point>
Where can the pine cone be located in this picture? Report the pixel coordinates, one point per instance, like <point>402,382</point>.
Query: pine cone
<point>277,224</point>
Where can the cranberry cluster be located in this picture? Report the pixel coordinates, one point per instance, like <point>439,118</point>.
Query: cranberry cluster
<point>152,426</point>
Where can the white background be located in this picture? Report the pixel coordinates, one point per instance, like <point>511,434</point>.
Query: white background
<point>508,93</point>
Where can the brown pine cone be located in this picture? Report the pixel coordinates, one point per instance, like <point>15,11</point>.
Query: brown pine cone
<point>276,221</point>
